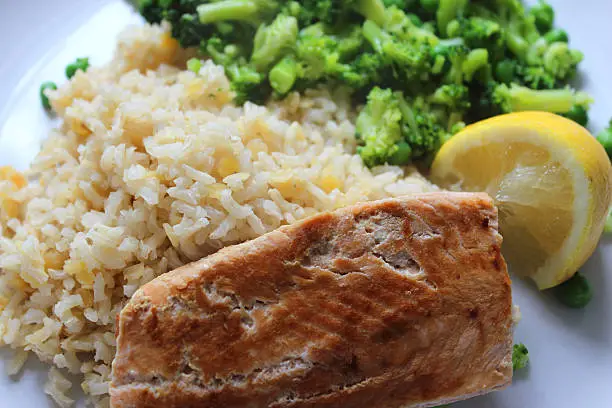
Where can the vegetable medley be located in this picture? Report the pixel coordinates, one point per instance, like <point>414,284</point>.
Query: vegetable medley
<point>423,68</point>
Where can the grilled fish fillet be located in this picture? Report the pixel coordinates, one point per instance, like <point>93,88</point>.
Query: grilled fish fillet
<point>395,303</point>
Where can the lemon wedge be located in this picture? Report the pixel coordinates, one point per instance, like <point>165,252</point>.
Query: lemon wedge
<point>550,180</point>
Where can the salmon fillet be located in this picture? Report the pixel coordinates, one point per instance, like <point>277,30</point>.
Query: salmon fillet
<point>396,303</point>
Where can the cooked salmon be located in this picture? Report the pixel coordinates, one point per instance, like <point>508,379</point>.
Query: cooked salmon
<point>396,303</point>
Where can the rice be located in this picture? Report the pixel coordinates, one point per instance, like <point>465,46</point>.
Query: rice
<point>153,167</point>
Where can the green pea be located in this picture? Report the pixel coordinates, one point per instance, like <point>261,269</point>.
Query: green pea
<point>194,65</point>
<point>575,292</point>
<point>544,16</point>
<point>556,35</point>
<point>505,70</point>
<point>43,98</point>
<point>80,64</point>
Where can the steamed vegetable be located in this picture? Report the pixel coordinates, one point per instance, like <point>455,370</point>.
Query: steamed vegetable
<point>423,68</point>
<point>605,138</point>
<point>80,64</point>
<point>575,292</point>
<point>43,98</point>
<point>520,356</point>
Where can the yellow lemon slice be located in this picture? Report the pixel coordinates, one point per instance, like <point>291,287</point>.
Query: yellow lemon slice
<point>550,179</point>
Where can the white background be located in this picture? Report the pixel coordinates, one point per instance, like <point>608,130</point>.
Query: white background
<point>571,350</point>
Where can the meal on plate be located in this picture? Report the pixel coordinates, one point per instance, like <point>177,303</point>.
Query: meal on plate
<point>256,203</point>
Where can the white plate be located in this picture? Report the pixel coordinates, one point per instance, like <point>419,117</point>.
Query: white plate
<point>571,350</point>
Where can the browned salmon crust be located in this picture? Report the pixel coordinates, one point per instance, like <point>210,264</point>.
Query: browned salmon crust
<point>400,302</point>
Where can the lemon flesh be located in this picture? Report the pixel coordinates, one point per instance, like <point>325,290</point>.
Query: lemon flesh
<point>550,180</point>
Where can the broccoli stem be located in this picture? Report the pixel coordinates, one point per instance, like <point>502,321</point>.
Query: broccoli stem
<point>549,100</point>
<point>283,75</point>
<point>475,60</point>
<point>375,36</point>
<point>373,10</point>
<point>409,118</point>
<point>245,10</point>
<point>272,42</point>
<point>453,119</point>
<point>575,292</point>
<point>447,11</point>
<point>517,45</point>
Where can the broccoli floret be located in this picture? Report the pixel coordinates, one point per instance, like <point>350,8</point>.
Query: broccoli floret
<point>252,11</point>
<point>447,57</point>
<point>404,28</point>
<point>247,84</point>
<point>536,77</point>
<point>556,35</point>
<point>151,11</point>
<point>222,52</point>
<point>544,16</point>
<point>515,98</point>
<point>509,71</point>
<point>575,292</point>
<point>556,58</point>
<point>520,356</point>
<point>421,129</point>
<point>366,69</point>
<point>478,32</point>
<point>318,57</point>
<point>396,131</point>
<point>187,29</point>
<point>408,61</point>
<point>181,14</point>
<point>273,41</point>
<point>378,127</point>
<point>460,63</point>
<point>455,97</point>
<point>561,61</point>
<point>308,12</point>
<point>322,57</point>
<point>605,138</point>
